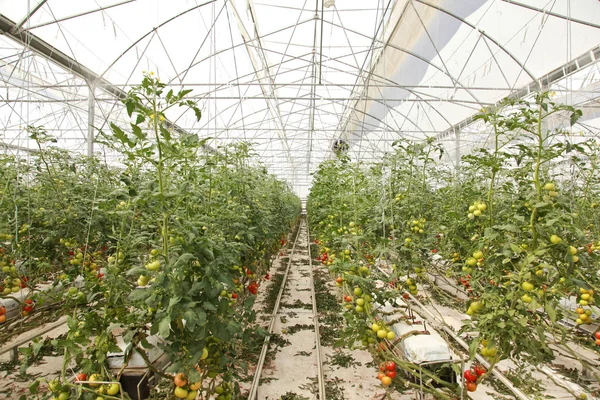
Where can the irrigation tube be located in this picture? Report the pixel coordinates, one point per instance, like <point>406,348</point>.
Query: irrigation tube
<point>519,394</point>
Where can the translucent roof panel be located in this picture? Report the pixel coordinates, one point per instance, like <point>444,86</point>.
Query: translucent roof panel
<point>294,77</point>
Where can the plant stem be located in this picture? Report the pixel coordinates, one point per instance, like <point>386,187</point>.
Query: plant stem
<point>160,166</point>
<point>536,178</point>
<point>490,202</point>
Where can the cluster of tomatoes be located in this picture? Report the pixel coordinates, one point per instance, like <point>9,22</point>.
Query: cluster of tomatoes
<point>586,298</point>
<point>28,307</point>
<point>597,337</point>
<point>472,375</point>
<point>324,257</point>
<point>387,372</point>
<point>183,390</point>
<point>11,282</point>
<point>253,287</point>
<point>62,391</point>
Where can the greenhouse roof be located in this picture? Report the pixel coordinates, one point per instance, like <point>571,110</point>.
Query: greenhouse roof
<point>295,76</point>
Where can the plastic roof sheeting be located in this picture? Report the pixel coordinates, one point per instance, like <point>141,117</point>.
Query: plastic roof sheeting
<point>294,76</point>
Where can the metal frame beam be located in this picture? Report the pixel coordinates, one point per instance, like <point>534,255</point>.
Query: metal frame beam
<point>33,42</point>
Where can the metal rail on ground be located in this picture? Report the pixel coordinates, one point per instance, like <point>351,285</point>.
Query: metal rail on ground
<point>265,348</point>
<point>320,374</point>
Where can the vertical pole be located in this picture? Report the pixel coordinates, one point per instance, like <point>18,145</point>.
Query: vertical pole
<point>91,116</point>
<point>457,149</point>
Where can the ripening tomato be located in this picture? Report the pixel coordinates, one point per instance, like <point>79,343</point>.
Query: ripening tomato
<point>386,380</point>
<point>380,375</point>
<point>81,377</point>
<point>480,369</point>
<point>390,366</point>
<point>391,374</point>
<point>180,380</point>
<point>470,375</point>
<point>471,386</point>
<point>597,334</point>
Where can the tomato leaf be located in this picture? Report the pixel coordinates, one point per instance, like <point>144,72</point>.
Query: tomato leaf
<point>121,136</point>
<point>137,131</point>
<point>164,327</point>
<point>474,346</point>
<point>550,311</point>
<point>183,260</point>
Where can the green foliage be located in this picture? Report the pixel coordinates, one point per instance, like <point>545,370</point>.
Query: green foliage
<point>488,225</point>
<point>148,248</point>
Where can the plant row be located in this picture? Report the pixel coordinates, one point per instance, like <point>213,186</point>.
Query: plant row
<point>516,223</point>
<point>167,248</point>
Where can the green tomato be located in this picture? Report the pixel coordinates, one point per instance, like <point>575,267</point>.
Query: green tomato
<point>53,385</point>
<point>113,389</point>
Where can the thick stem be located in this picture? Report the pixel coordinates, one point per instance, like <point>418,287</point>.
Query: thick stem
<point>160,167</point>
<point>490,202</point>
<point>536,179</point>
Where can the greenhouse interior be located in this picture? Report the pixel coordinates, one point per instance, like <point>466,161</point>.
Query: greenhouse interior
<point>299,199</point>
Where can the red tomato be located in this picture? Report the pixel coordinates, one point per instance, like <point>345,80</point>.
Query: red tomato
<point>470,375</point>
<point>249,272</point>
<point>405,295</point>
<point>339,279</point>
<point>29,301</point>
<point>268,276</point>
<point>234,295</point>
<point>597,334</point>
<point>391,374</point>
<point>390,366</point>
<point>480,370</point>
<point>81,377</point>
<point>471,386</point>
<point>28,308</point>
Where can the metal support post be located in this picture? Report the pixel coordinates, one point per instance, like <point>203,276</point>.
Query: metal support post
<point>91,117</point>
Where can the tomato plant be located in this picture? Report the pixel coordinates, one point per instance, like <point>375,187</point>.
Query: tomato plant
<point>145,249</point>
